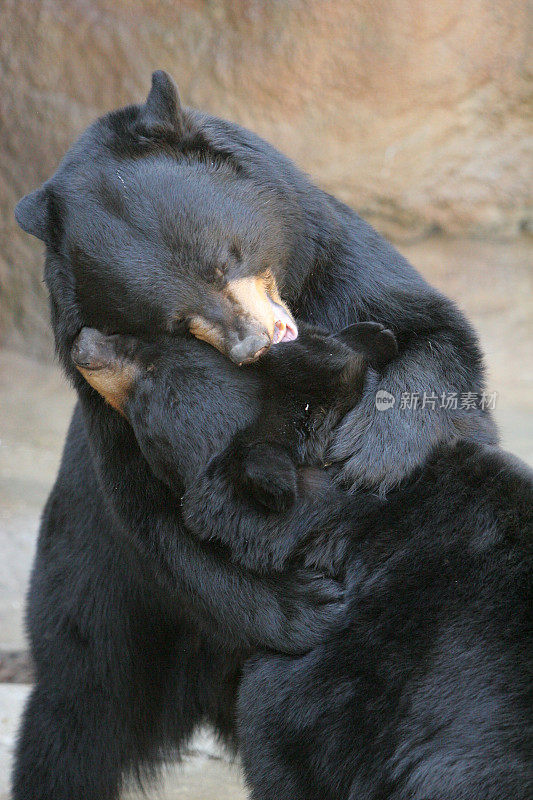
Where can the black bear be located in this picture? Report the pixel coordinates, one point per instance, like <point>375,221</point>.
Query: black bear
<point>138,629</point>
<point>422,690</point>
<point>297,396</point>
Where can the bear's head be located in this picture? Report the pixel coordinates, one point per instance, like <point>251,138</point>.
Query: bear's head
<point>153,224</point>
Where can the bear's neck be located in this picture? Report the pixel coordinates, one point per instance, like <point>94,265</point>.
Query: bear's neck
<point>327,296</point>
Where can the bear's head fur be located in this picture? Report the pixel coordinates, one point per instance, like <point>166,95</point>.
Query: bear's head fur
<point>160,226</point>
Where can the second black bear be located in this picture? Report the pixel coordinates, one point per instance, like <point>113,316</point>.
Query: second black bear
<point>422,690</point>
<point>299,392</point>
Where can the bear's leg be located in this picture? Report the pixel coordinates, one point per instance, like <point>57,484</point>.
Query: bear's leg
<point>79,740</point>
<point>71,745</point>
<point>122,675</point>
<point>281,735</point>
<point>88,726</point>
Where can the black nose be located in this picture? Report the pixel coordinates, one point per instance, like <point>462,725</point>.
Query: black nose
<point>249,349</point>
<point>91,349</point>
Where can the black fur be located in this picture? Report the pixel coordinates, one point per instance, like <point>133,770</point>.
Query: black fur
<point>294,397</point>
<point>138,629</point>
<point>422,691</point>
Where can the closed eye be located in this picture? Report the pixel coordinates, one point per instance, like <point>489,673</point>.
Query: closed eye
<point>180,326</point>
<point>218,277</point>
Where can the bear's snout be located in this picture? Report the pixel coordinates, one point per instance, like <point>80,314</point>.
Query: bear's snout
<point>249,349</point>
<point>250,316</point>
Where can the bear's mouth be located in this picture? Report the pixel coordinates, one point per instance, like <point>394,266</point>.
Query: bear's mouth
<point>251,317</point>
<point>285,328</point>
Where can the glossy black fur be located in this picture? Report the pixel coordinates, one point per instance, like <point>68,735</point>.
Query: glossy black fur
<point>138,629</point>
<point>230,475</point>
<point>422,689</point>
<point>307,389</point>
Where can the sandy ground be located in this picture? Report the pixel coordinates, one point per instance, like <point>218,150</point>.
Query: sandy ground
<point>492,282</point>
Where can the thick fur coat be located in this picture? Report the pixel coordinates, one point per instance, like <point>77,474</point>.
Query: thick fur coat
<point>140,630</point>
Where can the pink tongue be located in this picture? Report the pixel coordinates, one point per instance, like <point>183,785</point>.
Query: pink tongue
<point>285,329</point>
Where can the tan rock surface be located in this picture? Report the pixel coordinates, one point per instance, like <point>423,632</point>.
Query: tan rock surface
<point>416,112</point>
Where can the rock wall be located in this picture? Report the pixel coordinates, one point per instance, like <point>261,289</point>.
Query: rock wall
<point>415,112</point>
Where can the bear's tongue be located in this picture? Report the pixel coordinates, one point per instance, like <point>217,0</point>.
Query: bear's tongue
<point>285,329</point>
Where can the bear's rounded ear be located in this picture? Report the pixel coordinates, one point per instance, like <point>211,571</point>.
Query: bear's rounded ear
<point>32,213</point>
<point>162,112</point>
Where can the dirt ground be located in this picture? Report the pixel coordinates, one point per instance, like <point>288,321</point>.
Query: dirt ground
<point>491,281</point>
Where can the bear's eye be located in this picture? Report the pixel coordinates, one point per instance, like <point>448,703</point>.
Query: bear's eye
<point>218,275</point>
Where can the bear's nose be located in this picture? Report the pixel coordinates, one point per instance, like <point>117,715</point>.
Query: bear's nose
<point>249,349</point>
<point>90,349</point>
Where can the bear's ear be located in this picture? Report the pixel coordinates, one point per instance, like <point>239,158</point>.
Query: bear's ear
<point>32,213</point>
<point>162,112</point>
